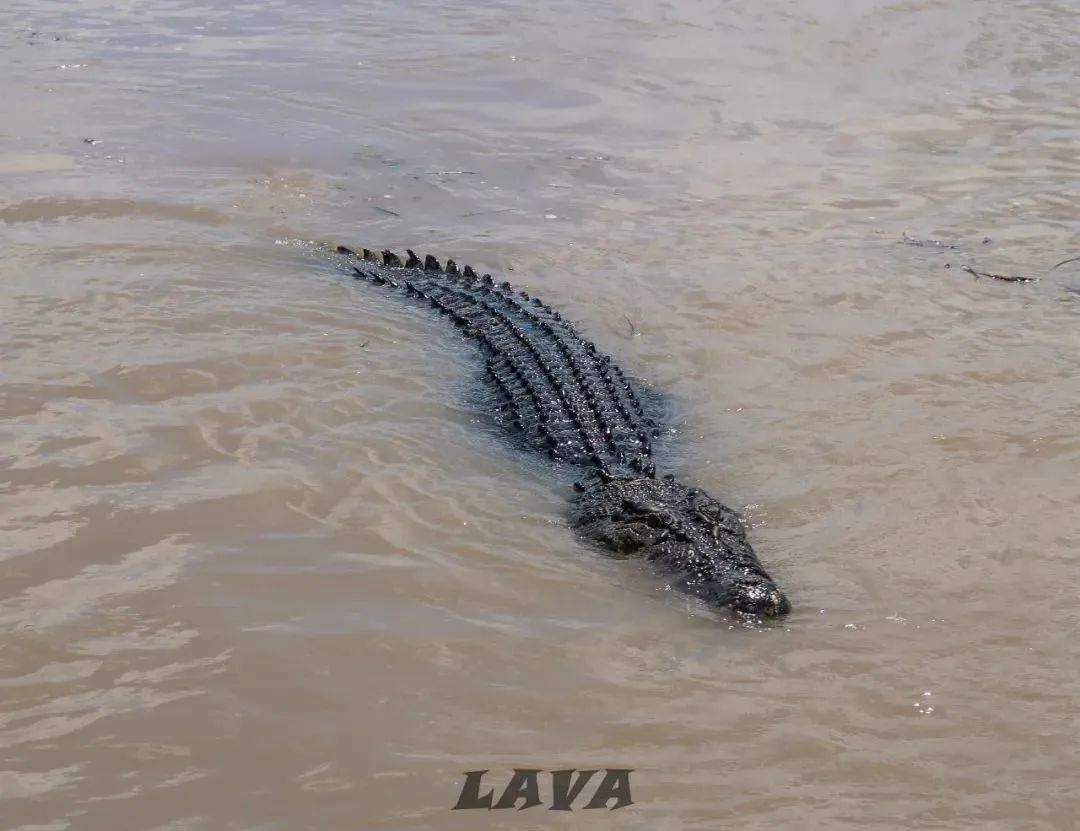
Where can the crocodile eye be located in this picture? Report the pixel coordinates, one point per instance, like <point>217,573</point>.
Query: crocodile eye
<point>661,518</point>
<point>708,512</point>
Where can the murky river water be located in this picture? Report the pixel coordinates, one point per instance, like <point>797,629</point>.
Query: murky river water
<point>264,567</point>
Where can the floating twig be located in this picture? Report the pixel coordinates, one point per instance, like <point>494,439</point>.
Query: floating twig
<point>1070,260</point>
<point>1007,278</point>
<point>386,211</point>
<point>630,323</point>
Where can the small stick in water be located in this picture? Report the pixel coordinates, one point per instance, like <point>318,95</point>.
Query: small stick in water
<point>1003,277</point>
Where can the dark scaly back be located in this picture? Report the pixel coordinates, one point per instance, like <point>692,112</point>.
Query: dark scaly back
<point>564,397</point>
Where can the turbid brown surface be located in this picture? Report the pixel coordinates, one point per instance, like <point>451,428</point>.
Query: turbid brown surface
<point>264,567</point>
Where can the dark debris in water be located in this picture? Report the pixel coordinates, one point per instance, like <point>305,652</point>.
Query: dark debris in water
<point>35,37</point>
<point>485,213</point>
<point>927,243</point>
<point>943,245</point>
<point>1006,278</point>
<point>938,244</point>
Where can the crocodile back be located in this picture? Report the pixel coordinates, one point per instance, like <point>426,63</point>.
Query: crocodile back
<point>554,387</point>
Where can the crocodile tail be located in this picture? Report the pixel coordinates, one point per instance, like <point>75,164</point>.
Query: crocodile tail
<point>557,389</point>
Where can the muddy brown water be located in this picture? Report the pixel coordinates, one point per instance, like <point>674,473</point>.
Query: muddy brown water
<point>263,565</point>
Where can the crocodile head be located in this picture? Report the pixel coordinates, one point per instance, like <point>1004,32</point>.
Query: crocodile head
<point>687,533</point>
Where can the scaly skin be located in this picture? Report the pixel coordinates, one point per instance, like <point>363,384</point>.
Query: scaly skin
<point>684,531</point>
<point>565,398</point>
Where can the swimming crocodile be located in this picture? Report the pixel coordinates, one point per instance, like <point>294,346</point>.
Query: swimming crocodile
<point>563,397</point>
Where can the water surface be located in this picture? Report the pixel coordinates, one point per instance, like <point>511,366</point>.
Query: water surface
<point>264,566</point>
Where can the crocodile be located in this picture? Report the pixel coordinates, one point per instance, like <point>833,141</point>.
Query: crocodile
<point>562,396</point>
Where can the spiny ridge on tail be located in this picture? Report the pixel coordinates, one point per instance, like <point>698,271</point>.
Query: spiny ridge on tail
<point>559,392</point>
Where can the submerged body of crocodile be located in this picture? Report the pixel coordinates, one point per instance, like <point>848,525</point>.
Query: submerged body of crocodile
<point>570,401</point>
